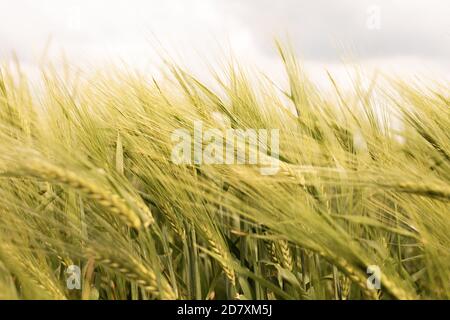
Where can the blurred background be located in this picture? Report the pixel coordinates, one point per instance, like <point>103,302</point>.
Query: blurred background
<point>407,37</point>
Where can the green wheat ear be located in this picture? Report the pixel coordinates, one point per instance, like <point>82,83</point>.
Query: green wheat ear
<point>87,181</point>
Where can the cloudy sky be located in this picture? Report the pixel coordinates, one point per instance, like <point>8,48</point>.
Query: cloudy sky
<point>405,36</point>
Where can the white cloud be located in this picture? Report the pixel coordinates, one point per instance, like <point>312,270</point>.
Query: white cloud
<point>415,32</point>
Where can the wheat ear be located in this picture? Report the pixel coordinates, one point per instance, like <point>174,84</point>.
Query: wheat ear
<point>220,252</point>
<point>111,202</point>
<point>136,272</point>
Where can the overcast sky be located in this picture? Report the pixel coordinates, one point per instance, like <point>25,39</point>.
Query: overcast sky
<point>403,35</point>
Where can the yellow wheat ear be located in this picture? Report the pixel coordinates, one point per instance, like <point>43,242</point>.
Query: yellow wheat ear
<point>111,202</point>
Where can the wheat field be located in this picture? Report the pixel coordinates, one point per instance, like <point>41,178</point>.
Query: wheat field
<point>87,181</point>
